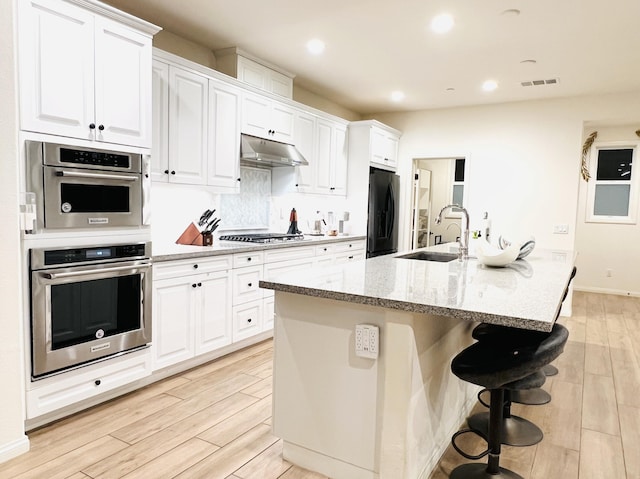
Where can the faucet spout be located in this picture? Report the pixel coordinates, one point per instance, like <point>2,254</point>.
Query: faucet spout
<point>463,251</point>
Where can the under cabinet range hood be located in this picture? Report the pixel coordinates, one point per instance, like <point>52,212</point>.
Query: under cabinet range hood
<point>260,151</point>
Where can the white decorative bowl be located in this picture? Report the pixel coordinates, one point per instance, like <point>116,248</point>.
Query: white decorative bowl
<point>492,256</point>
<point>526,245</point>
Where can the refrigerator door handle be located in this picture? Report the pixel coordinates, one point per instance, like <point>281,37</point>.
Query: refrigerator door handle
<point>391,208</point>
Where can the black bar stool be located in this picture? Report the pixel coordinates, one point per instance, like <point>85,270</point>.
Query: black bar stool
<point>513,365</point>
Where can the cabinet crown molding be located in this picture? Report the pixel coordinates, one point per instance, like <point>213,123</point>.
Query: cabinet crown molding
<point>117,15</point>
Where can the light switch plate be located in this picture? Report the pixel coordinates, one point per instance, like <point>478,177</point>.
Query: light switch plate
<point>367,341</point>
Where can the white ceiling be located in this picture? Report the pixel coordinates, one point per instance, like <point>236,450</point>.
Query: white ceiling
<point>376,46</point>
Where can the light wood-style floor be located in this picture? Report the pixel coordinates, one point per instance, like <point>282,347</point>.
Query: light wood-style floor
<point>214,421</point>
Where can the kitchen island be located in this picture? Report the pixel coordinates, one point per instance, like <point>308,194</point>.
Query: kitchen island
<point>391,417</point>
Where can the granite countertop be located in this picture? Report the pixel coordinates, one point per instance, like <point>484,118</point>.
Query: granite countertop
<point>171,251</point>
<point>526,294</point>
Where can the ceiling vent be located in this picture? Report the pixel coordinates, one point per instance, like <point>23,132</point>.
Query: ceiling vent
<point>551,81</point>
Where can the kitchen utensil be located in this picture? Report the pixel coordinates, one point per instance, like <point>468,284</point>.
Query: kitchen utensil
<point>205,217</point>
<point>212,225</point>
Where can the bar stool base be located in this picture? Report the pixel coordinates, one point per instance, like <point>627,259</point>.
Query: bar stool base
<point>550,370</point>
<point>479,471</point>
<point>516,431</point>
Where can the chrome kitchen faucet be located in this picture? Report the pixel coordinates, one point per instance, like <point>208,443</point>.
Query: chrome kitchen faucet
<point>463,251</point>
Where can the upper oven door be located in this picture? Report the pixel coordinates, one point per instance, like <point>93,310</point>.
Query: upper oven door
<point>79,198</point>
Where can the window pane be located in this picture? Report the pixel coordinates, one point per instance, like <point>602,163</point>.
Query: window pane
<point>614,164</point>
<point>459,172</point>
<point>612,200</point>
<point>458,194</point>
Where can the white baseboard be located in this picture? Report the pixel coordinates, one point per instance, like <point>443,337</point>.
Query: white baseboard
<point>617,292</point>
<point>14,448</point>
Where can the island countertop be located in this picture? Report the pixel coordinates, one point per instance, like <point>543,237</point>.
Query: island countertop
<point>526,294</point>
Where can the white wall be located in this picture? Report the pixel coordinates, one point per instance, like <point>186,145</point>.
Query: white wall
<point>608,246</point>
<point>12,438</point>
<point>523,160</point>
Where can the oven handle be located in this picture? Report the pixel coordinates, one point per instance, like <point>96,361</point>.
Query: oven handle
<point>70,274</point>
<point>103,176</point>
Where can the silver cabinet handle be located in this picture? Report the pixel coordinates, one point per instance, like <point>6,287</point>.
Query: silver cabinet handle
<point>87,272</point>
<point>104,176</point>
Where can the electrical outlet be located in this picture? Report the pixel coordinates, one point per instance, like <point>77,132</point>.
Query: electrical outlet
<point>367,341</point>
<point>560,229</point>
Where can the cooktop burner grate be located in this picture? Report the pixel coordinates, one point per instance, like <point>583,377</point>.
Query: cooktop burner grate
<point>263,237</point>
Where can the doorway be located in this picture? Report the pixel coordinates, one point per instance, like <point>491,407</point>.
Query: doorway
<point>437,182</point>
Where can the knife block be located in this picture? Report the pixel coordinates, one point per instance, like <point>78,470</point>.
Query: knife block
<point>192,236</point>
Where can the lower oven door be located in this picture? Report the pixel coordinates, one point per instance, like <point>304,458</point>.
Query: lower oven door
<point>76,198</point>
<point>82,314</point>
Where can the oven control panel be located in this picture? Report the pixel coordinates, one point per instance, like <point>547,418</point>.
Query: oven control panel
<point>98,253</point>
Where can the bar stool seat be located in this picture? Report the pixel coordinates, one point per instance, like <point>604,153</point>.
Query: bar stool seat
<point>513,364</point>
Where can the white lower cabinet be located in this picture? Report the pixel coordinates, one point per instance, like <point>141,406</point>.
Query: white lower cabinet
<point>247,320</point>
<point>340,252</point>
<point>191,312</point>
<point>49,394</point>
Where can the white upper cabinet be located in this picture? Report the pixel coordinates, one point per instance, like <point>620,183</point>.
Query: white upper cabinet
<point>188,110</point>
<point>82,75</point>
<point>160,124</point>
<point>196,128</point>
<point>331,158</point>
<point>305,141</point>
<point>224,137</point>
<point>375,143</point>
<point>267,118</point>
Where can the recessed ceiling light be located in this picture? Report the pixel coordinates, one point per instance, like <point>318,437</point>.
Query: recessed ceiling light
<point>490,85</point>
<point>397,95</point>
<point>451,89</point>
<point>442,23</point>
<point>315,46</point>
<point>531,62</point>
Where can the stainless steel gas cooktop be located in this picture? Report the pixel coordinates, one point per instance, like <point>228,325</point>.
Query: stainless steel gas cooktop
<point>263,237</point>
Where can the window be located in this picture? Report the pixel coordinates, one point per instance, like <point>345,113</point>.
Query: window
<point>457,185</point>
<point>612,193</point>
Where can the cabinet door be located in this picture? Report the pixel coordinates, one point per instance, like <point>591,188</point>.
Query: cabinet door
<point>324,151</point>
<point>213,321</point>
<point>122,84</point>
<point>187,127</point>
<point>160,129</point>
<point>173,319</point>
<point>339,161</point>
<point>224,137</point>
<point>256,111</point>
<point>305,135</point>
<point>282,122</point>
<point>56,68</point>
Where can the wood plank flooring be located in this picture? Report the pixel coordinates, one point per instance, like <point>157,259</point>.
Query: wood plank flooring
<point>215,421</point>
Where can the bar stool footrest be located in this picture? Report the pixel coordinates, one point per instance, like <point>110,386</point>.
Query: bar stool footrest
<point>516,431</point>
<point>460,451</point>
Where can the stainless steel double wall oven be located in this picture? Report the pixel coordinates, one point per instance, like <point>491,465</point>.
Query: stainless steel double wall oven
<point>91,300</point>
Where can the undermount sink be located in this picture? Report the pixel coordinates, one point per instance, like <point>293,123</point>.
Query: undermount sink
<point>430,256</point>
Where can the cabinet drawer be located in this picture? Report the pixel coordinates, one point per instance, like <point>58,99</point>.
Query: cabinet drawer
<point>247,320</point>
<point>246,284</point>
<point>268,313</point>
<point>240,260</point>
<point>84,383</point>
<point>349,256</point>
<point>174,269</point>
<point>272,270</point>
<point>290,253</point>
<point>324,249</point>
<point>345,246</point>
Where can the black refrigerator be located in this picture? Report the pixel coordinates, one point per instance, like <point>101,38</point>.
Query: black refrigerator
<point>382,226</point>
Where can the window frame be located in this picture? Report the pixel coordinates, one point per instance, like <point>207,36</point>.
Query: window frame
<point>455,213</point>
<point>634,182</point>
